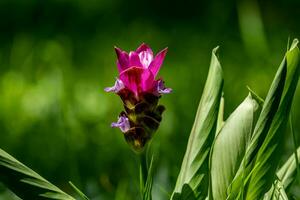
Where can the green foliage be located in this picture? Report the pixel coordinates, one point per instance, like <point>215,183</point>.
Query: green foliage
<point>244,153</point>
<point>267,157</point>
<point>235,159</point>
<point>262,126</point>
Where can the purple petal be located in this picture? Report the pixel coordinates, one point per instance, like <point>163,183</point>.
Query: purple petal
<point>122,123</point>
<point>158,61</point>
<point>134,60</point>
<point>119,85</point>
<point>161,89</point>
<point>123,59</point>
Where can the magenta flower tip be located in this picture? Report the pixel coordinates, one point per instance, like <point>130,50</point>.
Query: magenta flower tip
<point>122,123</point>
<point>123,59</point>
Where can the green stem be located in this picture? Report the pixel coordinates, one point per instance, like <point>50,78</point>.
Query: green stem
<point>143,171</point>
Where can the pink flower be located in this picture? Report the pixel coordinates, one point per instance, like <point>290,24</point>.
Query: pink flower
<point>137,71</point>
<point>140,93</point>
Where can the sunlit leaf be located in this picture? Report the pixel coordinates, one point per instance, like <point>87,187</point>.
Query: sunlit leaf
<point>193,179</point>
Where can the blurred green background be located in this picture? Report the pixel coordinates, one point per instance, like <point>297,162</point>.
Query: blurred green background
<point>57,56</point>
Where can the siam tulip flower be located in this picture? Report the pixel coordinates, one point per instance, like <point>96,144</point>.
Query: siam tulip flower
<point>140,92</point>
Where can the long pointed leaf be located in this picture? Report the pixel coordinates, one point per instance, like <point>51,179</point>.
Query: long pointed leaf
<point>26,183</point>
<point>194,170</point>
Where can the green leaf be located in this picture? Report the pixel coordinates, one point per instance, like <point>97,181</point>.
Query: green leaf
<point>26,183</point>
<point>267,158</point>
<point>229,147</point>
<point>193,174</point>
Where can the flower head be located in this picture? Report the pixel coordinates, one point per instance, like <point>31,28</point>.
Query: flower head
<point>140,92</point>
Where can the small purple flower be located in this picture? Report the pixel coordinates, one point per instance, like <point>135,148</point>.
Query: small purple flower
<point>122,123</point>
<point>119,85</point>
<point>161,89</point>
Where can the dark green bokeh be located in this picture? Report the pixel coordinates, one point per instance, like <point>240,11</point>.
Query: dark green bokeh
<point>57,56</point>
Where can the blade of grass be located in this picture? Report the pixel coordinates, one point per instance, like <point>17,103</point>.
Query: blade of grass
<point>81,194</point>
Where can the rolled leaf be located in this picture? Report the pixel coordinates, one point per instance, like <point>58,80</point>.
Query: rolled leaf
<point>229,147</point>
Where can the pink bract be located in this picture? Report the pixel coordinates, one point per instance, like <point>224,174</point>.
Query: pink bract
<point>138,69</point>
